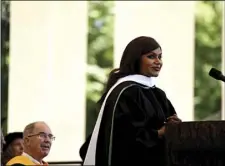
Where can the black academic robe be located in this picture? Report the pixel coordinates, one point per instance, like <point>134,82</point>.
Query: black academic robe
<point>133,113</point>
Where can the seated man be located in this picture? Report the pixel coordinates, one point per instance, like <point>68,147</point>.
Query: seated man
<point>13,146</point>
<point>37,143</point>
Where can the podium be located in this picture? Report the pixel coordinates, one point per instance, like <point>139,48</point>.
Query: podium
<point>198,143</point>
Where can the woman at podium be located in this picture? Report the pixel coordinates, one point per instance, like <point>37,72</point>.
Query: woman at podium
<point>130,126</point>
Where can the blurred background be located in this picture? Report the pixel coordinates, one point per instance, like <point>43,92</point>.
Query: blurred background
<point>56,56</point>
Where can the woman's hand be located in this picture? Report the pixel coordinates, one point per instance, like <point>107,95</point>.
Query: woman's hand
<point>173,119</point>
<point>161,132</point>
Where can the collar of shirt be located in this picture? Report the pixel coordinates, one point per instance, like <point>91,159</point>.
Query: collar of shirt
<point>32,159</point>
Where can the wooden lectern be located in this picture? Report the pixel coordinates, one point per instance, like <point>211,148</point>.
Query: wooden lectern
<point>198,143</point>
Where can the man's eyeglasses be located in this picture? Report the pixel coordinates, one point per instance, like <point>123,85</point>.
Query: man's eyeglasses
<point>43,135</point>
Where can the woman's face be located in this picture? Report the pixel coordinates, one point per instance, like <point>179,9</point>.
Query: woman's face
<point>151,63</point>
<point>17,146</point>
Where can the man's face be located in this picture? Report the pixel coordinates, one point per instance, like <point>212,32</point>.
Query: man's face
<point>17,146</point>
<point>40,140</point>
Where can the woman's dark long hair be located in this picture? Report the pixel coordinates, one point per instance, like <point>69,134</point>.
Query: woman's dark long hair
<point>130,61</point>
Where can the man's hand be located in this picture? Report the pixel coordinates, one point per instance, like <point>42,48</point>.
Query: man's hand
<point>173,119</point>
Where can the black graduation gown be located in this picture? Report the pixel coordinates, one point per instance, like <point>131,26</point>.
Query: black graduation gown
<point>139,112</point>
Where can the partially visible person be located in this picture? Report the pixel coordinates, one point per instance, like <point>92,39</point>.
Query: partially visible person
<point>2,144</point>
<point>38,139</point>
<point>13,146</point>
<point>15,141</point>
<point>2,141</point>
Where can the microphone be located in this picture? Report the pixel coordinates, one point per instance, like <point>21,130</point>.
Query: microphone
<point>216,74</point>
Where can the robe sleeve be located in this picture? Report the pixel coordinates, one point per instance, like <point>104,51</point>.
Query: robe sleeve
<point>84,148</point>
<point>135,115</point>
<point>170,108</point>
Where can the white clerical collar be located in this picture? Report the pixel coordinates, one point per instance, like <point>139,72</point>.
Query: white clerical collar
<point>31,158</point>
<point>144,80</point>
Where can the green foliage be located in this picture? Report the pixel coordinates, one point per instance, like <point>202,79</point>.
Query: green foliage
<point>100,55</point>
<point>208,54</point>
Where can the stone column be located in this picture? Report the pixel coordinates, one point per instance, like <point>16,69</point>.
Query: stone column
<point>172,25</point>
<point>47,79</point>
